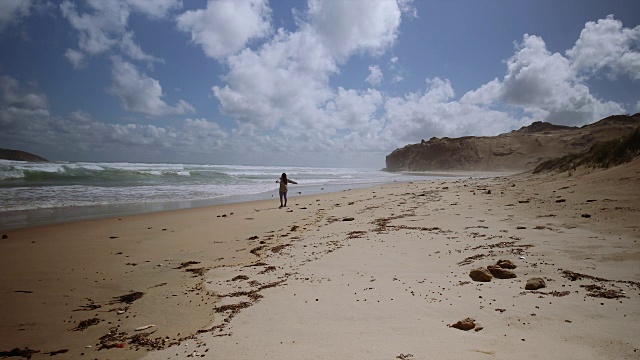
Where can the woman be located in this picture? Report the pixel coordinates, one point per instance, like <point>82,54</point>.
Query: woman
<point>283,188</point>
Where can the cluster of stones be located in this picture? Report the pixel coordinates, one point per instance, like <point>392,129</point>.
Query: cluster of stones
<point>502,270</point>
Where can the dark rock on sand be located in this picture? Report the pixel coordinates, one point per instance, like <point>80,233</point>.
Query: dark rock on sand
<point>466,324</point>
<point>500,273</point>
<point>480,274</point>
<point>535,284</point>
<point>5,236</point>
<point>506,264</point>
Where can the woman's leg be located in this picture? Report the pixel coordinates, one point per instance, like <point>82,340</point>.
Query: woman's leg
<point>285,199</point>
<point>281,195</point>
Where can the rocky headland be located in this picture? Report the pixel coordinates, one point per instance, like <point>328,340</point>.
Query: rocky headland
<point>521,149</point>
<point>18,155</point>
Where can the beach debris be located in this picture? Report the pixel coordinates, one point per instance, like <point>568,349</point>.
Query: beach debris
<point>573,276</point>
<point>254,237</point>
<point>357,234</point>
<point>535,284</point>
<point>89,307</point>
<point>506,264</point>
<point>500,273</point>
<point>240,277</point>
<point>268,269</point>
<point>24,291</point>
<point>145,327</point>
<point>120,312</point>
<point>404,356</point>
<point>113,339</point>
<point>25,353</point>
<point>278,248</point>
<point>127,298</point>
<point>113,237</point>
<point>586,216</point>
<point>470,259</point>
<point>348,218</point>
<point>553,293</point>
<point>5,236</point>
<point>561,200</point>
<point>197,271</point>
<point>187,264</point>
<point>56,352</point>
<point>465,324</point>
<point>86,323</point>
<point>601,292</point>
<point>255,250</point>
<point>480,274</point>
<point>522,258</point>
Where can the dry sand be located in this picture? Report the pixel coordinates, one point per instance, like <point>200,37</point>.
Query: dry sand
<point>374,273</point>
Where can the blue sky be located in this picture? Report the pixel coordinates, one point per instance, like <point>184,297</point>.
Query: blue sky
<point>319,83</point>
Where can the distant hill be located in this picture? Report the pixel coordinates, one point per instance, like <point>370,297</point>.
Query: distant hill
<point>18,155</point>
<point>521,149</point>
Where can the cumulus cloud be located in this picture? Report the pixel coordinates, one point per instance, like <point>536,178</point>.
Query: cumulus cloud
<point>606,44</point>
<point>326,36</point>
<point>141,93</point>
<point>435,113</point>
<point>346,27</point>
<point>544,84</point>
<point>12,11</point>
<point>133,51</point>
<point>352,109</point>
<point>24,112</point>
<point>76,58</point>
<point>375,75</point>
<point>103,26</point>
<point>16,96</point>
<point>225,26</point>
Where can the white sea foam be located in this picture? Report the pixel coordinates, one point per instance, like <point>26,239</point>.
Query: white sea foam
<point>28,186</point>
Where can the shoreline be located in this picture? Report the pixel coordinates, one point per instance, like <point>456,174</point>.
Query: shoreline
<point>376,272</point>
<point>20,219</point>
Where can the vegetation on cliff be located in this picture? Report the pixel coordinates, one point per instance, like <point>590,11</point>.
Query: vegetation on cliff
<point>602,154</point>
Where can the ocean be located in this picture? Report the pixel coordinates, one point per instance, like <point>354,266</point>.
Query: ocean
<point>33,194</point>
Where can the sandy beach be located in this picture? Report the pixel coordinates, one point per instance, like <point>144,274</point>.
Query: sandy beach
<point>377,273</point>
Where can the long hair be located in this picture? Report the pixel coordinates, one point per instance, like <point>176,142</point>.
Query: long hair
<point>283,178</point>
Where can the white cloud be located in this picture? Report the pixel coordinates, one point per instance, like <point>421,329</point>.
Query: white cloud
<point>156,8</point>
<point>104,26</point>
<point>141,93</point>
<point>286,80</point>
<point>375,75</point>
<point>225,26</point>
<point>353,109</point>
<point>23,113</point>
<point>545,85</point>
<point>76,58</point>
<point>434,113</point>
<point>346,27</point>
<point>100,30</point>
<point>606,44</point>
<point>12,11</point>
<point>132,50</point>
<point>16,96</point>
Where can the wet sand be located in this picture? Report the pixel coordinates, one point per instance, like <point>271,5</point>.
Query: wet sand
<point>377,273</point>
